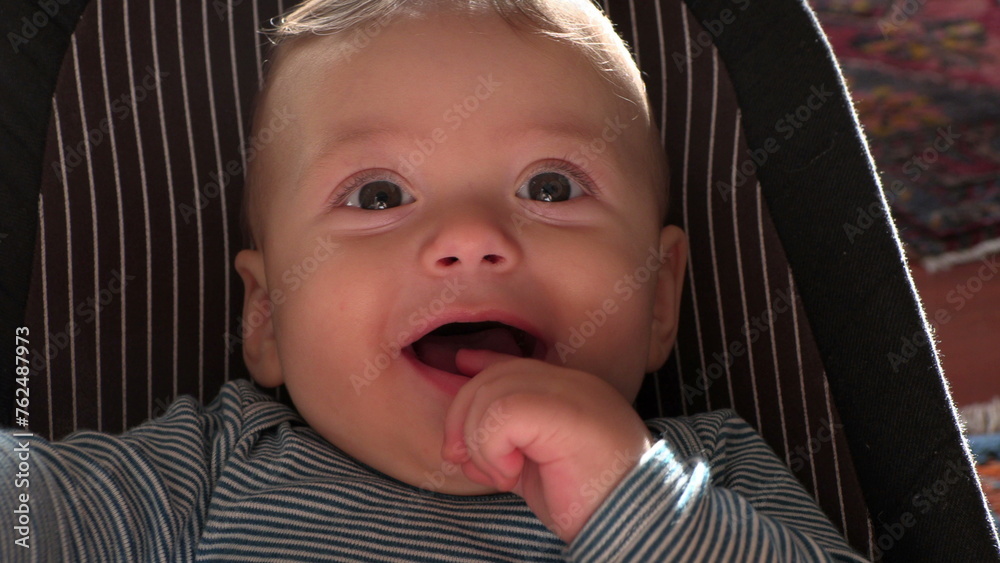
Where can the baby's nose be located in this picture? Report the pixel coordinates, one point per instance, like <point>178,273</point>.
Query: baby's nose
<point>470,242</point>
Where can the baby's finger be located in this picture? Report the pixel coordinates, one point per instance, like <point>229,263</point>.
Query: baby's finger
<point>453,449</point>
<point>470,362</point>
<point>493,436</point>
<point>499,458</point>
<point>476,475</point>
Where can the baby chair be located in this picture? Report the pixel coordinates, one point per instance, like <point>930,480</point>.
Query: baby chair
<point>123,170</point>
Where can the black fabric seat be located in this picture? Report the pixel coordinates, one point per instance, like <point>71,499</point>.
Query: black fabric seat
<point>123,173</point>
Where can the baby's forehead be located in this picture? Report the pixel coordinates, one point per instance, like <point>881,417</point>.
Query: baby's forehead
<point>425,80</point>
<point>438,37</point>
<point>452,81</point>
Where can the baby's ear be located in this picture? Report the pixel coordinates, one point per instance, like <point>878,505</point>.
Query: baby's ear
<point>669,286</point>
<point>260,349</point>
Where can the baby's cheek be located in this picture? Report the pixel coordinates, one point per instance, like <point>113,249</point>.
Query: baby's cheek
<point>625,343</point>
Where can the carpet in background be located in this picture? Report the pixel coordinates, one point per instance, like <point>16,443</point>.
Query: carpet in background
<point>925,76</point>
<point>982,428</point>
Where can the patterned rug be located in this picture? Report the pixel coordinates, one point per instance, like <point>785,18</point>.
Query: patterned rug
<point>982,427</point>
<point>989,476</point>
<point>925,76</point>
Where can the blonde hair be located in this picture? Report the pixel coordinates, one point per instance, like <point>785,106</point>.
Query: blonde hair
<point>579,23</point>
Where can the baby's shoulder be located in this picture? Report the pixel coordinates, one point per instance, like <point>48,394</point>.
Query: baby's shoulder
<point>239,410</point>
<point>704,434</point>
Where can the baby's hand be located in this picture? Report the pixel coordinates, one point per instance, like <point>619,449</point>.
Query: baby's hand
<point>560,438</point>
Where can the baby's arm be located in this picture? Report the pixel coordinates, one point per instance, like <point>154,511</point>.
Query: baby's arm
<point>92,497</point>
<point>570,445</point>
<point>102,497</point>
<point>735,501</point>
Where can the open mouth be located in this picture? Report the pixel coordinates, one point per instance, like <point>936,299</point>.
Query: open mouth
<point>439,347</point>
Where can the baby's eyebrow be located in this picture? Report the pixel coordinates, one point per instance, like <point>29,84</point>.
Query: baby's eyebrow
<point>568,127</point>
<point>585,140</point>
<point>562,127</point>
<point>358,134</point>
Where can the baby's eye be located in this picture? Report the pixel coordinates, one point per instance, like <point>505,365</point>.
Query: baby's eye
<point>379,194</point>
<point>550,187</point>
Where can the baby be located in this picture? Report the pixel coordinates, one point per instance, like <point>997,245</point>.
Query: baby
<point>479,190</point>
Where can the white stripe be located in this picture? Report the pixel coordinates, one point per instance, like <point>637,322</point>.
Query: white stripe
<point>770,322</point>
<point>871,540</point>
<point>656,389</point>
<point>836,462</point>
<point>197,208</point>
<point>222,192</point>
<point>739,270</point>
<point>145,216</point>
<point>680,378</point>
<point>711,226</point>
<point>635,33</point>
<point>69,262</point>
<point>118,194</point>
<point>93,212</point>
<point>222,196</point>
<point>173,209</point>
<point>236,97</point>
<point>753,370</point>
<point>663,75</point>
<point>663,142</point>
<point>45,284</point>
<point>802,379</point>
<point>256,46</point>
<point>684,184</point>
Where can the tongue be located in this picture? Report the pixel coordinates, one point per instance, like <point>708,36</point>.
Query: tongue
<point>439,351</point>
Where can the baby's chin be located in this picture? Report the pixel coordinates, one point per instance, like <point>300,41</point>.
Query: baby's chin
<point>467,489</point>
<point>448,479</point>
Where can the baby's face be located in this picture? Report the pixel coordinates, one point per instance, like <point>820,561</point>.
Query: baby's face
<point>450,173</point>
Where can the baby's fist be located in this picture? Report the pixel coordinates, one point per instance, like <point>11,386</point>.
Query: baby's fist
<point>558,437</point>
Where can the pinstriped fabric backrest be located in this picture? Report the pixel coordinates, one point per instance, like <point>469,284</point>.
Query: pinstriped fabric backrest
<point>133,283</point>
<point>744,339</point>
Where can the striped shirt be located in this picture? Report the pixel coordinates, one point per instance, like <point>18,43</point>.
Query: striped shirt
<point>246,479</point>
